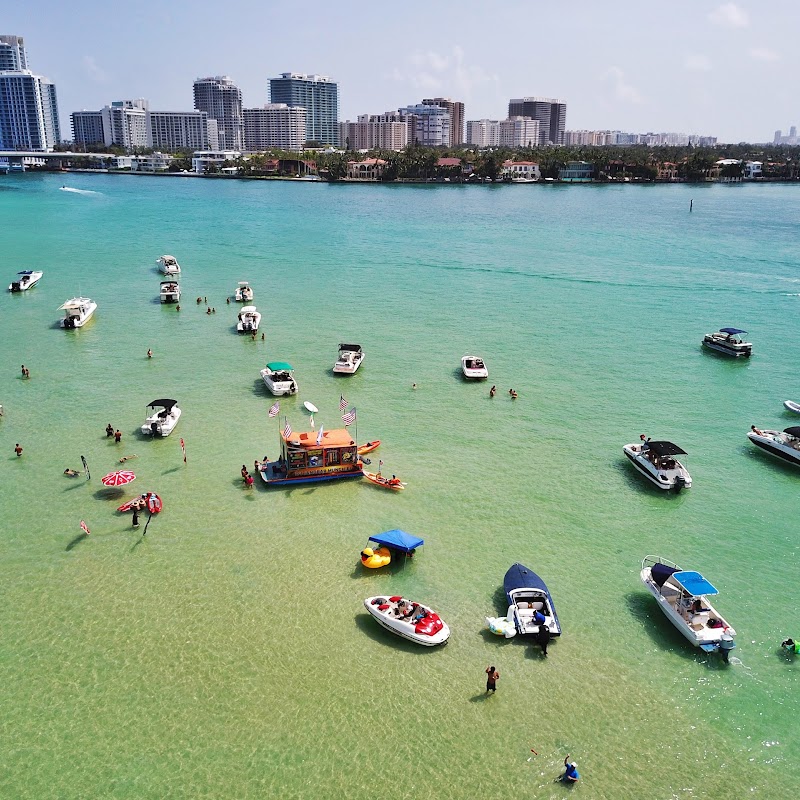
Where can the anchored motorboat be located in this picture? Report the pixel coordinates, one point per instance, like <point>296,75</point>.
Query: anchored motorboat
<point>783,444</point>
<point>170,292</point>
<point>409,619</point>
<point>163,418</point>
<point>278,376</point>
<point>473,368</point>
<point>790,405</point>
<point>728,341</point>
<point>249,320</point>
<point>529,602</point>
<point>243,293</point>
<point>683,597</point>
<point>169,265</point>
<point>349,360</point>
<point>657,462</point>
<point>25,280</point>
<point>77,312</point>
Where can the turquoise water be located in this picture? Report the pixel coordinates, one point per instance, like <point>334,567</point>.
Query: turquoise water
<point>227,652</point>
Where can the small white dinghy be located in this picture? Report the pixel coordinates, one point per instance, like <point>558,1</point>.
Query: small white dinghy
<point>408,619</point>
<point>790,405</point>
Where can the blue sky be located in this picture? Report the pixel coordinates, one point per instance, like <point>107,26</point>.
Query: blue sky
<point>711,67</point>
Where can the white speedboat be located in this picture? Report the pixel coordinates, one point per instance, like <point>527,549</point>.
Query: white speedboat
<point>170,292</point>
<point>25,280</point>
<point>243,293</point>
<point>728,341</point>
<point>683,597</point>
<point>790,405</point>
<point>783,444</point>
<point>163,417</point>
<point>279,378</point>
<point>77,312</point>
<point>169,265</point>
<point>350,358</point>
<point>249,320</point>
<point>408,619</point>
<point>657,462</point>
<point>473,368</point>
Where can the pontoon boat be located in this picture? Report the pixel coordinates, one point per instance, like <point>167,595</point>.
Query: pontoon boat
<point>728,341</point>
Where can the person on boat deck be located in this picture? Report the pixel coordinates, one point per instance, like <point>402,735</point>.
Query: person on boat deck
<point>539,618</point>
<point>570,771</point>
<point>644,440</point>
<point>756,431</point>
<point>394,481</point>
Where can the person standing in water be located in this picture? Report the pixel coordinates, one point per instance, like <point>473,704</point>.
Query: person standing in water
<point>543,637</point>
<point>492,676</point>
<point>570,771</point>
<point>135,510</point>
<point>493,391</point>
<point>18,449</point>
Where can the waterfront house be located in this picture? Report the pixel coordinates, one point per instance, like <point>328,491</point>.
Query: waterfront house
<point>667,172</point>
<point>521,170</point>
<point>154,162</point>
<point>576,172</point>
<point>212,160</point>
<point>753,171</point>
<point>371,169</point>
<point>726,170</point>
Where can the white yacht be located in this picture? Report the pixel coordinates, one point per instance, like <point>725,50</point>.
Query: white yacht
<point>728,341</point>
<point>243,293</point>
<point>169,265</point>
<point>25,280</point>
<point>783,444</point>
<point>350,358</point>
<point>278,377</point>
<point>683,597</point>
<point>473,368</point>
<point>162,419</point>
<point>77,312</point>
<point>657,462</point>
<point>249,320</point>
<point>170,292</point>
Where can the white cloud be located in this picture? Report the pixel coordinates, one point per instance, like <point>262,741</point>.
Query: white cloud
<point>94,71</point>
<point>443,72</point>
<point>623,90</point>
<point>697,63</point>
<point>729,15</point>
<point>764,54</point>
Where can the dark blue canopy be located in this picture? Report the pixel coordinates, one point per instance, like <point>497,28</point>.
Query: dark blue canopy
<point>732,331</point>
<point>398,540</point>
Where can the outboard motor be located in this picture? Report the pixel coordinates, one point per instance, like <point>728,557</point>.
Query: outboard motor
<point>69,322</point>
<point>680,483</point>
<point>154,428</point>
<point>15,286</point>
<point>726,644</point>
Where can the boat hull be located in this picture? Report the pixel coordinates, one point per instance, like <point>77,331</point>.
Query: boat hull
<point>790,405</point>
<point>728,350</point>
<point>273,476</point>
<point>784,452</point>
<point>22,285</point>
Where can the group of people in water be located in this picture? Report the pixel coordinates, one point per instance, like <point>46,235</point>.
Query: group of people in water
<point>511,393</point>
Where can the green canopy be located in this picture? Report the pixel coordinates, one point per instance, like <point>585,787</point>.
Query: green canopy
<point>279,366</point>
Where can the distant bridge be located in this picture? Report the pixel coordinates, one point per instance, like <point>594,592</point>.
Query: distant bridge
<point>16,160</point>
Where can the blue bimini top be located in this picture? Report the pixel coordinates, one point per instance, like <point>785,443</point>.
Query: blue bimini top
<point>694,583</point>
<point>399,540</point>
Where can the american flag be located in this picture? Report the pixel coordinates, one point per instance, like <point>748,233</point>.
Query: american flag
<point>350,417</point>
<point>342,403</point>
<point>287,431</point>
<point>85,528</point>
<point>275,409</point>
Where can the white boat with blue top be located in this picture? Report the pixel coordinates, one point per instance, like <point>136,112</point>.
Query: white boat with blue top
<point>683,597</point>
<point>529,602</point>
<point>26,279</point>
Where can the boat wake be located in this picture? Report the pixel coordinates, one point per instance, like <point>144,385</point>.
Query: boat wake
<point>77,191</point>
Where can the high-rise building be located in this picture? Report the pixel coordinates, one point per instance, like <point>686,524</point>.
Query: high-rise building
<point>387,131</point>
<point>125,124</point>
<point>181,130</point>
<point>551,113</point>
<point>483,132</point>
<point>12,54</point>
<point>28,104</point>
<point>456,109</point>
<point>519,132</point>
<point>318,94</point>
<point>428,126</point>
<point>221,99</point>
<point>276,125</point>
<point>87,128</point>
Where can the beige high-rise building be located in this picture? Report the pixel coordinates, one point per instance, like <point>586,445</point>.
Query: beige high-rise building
<point>456,109</point>
<point>387,131</point>
<point>276,125</point>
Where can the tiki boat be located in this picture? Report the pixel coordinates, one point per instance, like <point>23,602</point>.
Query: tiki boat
<point>312,456</point>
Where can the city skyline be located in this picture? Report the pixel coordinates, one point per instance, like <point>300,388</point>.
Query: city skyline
<point>691,70</point>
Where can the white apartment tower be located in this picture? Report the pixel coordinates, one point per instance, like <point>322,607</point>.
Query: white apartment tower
<point>519,132</point>
<point>276,125</point>
<point>221,99</point>
<point>428,126</point>
<point>28,104</point>
<point>168,131</point>
<point>483,132</point>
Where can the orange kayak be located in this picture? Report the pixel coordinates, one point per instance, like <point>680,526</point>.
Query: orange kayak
<point>363,449</point>
<point>387,483</point>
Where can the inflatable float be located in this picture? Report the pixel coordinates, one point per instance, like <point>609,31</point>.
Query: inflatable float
<point>500,626</point>
<point>375,558</point>
<point>152,502</point>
